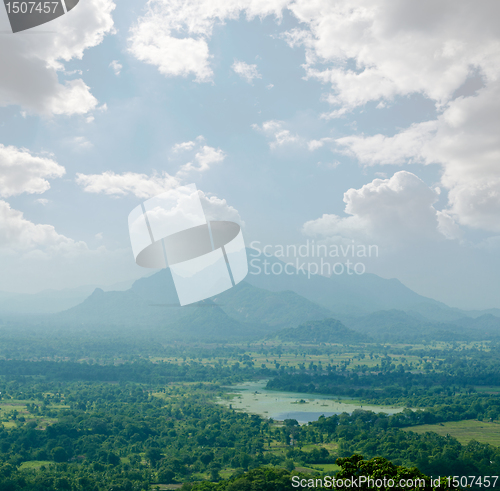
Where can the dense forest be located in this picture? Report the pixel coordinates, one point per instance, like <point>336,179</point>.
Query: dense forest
<point>110,422</point>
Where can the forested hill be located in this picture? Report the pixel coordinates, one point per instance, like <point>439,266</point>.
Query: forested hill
<point>321,331</point>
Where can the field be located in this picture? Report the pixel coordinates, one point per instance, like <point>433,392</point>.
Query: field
<point>17,410</point>
<point>290,355</point>
<point>464,431</point>
<point>35,464</point>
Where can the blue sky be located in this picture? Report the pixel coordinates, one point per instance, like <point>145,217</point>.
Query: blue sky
<point>282,107</point>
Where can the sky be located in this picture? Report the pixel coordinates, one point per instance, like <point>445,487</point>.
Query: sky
<point>343,122</point>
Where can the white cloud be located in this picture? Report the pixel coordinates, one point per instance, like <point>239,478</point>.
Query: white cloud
<point>173,56</point>
<point>202,157</point>
<point>218,209</point>
<point>376,51</point>
<point>116,66</point>
<point>203,161</point>
<point>36,257</point>
<point>22,172</point>
<point>144,186</point>
<point>366,51</point>
<point>315,144</point>
<point>34,59</point>
<point>128,183</point>
<point>80,142</point>
<point>274,129</point>
<point>245,71</point>
<point>389,211</point>
<point>464,141</point>
<point>173,34</point>
<point>20,235</point>
<point>184,146</point>
<point>406,146</point>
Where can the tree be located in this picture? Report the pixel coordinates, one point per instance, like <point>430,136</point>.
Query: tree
<point>383,471</point>
<point>59,454</point>
<point>154,455</point>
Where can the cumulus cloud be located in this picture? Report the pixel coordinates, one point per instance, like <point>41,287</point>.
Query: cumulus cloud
<point>203,161</point>
<point>203,157</point>
<point>184,146</point>
<point>366,52</point>
<point>464,141</point>
<point>218,209</point>
<point>245,71</point>
<point>275,131</point>
<point>143,186</point>
<point>116,66</point>
<point>34,59</point>
<point>22,172</point>
<point>391,211</point>
<point>370,52</point>
<point>315,144</point>
<point>128,183</point>
<point>173,34</point>
<point>173,56</point>
<point>409,145</point>
<point>20,235</point>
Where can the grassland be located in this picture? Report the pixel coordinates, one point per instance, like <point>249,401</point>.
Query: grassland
<point>464,431</point>
<point>35,464</point>
<point>12,410</point>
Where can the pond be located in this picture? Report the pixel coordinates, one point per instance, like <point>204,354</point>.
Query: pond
<point>252,397</point>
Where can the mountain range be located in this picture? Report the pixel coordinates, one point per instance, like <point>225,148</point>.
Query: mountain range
<point>265,304</point>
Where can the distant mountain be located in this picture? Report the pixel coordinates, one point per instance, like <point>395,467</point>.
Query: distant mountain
<point>353,295</point>
<point>487,323</point>
<point>479,313</point>
<point>129,311</point>
<point>50,301</point>
<point>112,308</point>
<point>248,303</point>
<point>436,312</point>
<point>346,294</point>
<point>262,304</point>
<point>399,326</point>
<point>244,312</point>
<point>207,321</point>
<point>323,331</point>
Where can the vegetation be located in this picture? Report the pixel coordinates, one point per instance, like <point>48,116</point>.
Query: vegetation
<point>321,331</point>
<point>101,419</point>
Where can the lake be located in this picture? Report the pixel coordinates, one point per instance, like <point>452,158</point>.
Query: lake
<point>252,397</point>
